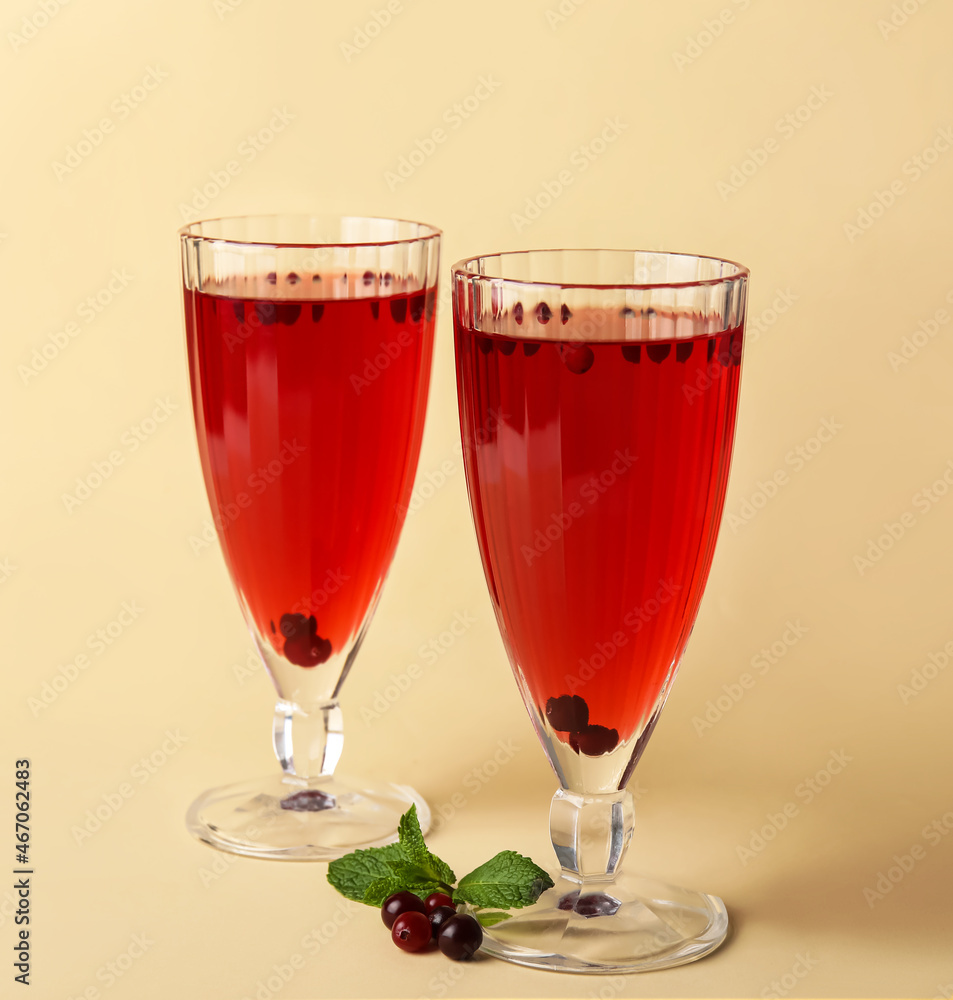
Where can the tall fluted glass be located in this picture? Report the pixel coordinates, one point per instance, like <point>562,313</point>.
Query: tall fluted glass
<point>309,344</point>
<point>597,394</point>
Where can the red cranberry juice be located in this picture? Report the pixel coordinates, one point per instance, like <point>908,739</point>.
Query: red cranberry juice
<point>309,417</point>
<point>597,474</point>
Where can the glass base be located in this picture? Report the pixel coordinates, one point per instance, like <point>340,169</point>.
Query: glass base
<point>289,819</point>
<point>629,924</point>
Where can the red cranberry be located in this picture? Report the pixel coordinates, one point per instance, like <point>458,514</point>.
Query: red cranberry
<point>266,312</point>
<point>578,358</point>
<point>460,937</point>
<point>632,352</point>
<point>567,713</point>
<point>593,741</point>
<point>398,903</point>
<point>439,917</point>
<point>398,309</point>
<point>288,312</point>
<point>436,899</point>
<point>411,931</point>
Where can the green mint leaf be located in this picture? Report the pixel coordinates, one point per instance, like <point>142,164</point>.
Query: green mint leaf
<point>414,847</point>
<point>381,888</point>
<point>411,873</point>
<point>438,870</point>
<point>354,873</point>
<point>378,891</point>
<point>505,882</point>
<point>488,918</point>
<point>411,838</point>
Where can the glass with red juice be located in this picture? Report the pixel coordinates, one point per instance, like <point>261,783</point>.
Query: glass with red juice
<point>597,392</point>
<point>309,342</point>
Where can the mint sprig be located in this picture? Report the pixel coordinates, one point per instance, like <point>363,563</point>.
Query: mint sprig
<point>507,881</point>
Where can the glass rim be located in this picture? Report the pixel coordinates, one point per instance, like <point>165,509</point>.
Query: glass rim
<point>427,232</point>
<point>461,267</point>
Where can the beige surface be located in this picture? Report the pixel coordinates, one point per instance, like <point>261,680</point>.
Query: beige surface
<point>845,301</point>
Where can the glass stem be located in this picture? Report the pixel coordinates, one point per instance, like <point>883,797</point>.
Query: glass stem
<point>590,833</point>
<point>308,743</point>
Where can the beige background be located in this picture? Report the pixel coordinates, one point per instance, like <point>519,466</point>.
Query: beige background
<point>690,102</point>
